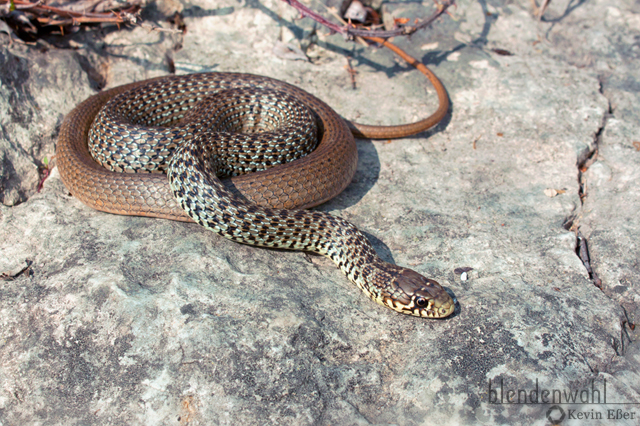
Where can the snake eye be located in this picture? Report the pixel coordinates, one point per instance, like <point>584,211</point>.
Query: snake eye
<point>421,302</point>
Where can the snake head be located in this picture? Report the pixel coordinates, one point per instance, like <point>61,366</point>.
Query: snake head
<point>422,296</point>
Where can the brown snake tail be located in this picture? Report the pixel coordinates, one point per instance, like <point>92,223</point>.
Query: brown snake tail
<point>252,208</point>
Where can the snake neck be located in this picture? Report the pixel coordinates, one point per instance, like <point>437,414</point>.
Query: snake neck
<point>192,177</point>
<point>395,287</point>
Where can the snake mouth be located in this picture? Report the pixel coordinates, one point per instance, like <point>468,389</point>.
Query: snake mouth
<point>435,308</point>
<point>442,307</point>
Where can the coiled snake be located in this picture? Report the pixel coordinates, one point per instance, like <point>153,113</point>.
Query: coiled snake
<point>153,126</point>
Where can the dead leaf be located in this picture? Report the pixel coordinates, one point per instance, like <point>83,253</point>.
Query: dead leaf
<point>502,52</point>
<point>550,192</point>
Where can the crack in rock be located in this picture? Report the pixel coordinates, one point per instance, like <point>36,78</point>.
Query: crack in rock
<point>585,161</point>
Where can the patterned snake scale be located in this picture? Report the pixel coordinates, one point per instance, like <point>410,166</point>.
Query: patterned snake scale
<point>277,148</point>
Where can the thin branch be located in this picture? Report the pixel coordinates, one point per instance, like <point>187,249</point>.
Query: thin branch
<point>350,31</point>
<point>305,11</point>
<point>57,16</point>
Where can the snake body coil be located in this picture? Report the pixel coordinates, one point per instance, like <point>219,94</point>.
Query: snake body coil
<point>155,126</point>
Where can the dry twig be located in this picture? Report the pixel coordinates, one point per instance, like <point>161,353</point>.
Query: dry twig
<point>27,16</point>
<point>350,30</point>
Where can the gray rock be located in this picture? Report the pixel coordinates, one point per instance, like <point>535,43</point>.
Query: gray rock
<point>125,320</point>
<point>33,98</point>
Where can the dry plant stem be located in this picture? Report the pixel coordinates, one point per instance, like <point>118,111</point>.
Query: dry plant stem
<point>70,17</point>
<point>24,5</point>
<point>335,14</point>
<point>352,73</point>
<point>349,30</point>
<point>79,20</point>
<point>365,131</point>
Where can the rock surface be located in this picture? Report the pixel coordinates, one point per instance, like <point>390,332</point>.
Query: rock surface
<point>124,320</point>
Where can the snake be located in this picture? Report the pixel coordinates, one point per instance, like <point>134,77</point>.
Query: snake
<point>229,151</point>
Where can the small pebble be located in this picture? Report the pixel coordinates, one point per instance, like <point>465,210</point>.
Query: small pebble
<point>463,276</point>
